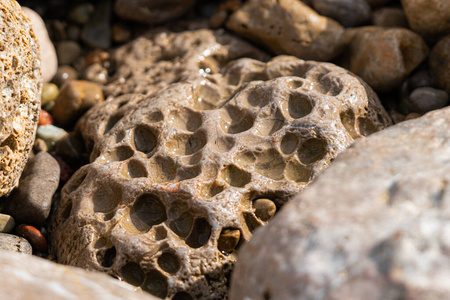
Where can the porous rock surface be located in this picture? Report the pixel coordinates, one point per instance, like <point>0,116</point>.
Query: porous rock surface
<point>152,11</point>
<point>20,83</point>
<point>373,226</point>
<point>176,178</point>
<point>30,277</point>
<point>161,57</point>
<point>288,27</point>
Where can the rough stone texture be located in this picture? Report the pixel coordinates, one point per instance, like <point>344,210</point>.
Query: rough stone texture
<point>373,226</point>
<point>20,83</point>
<point>14,243</point>
<point>161,57</point>
<point>349,13</point>
<point>47,50</point>
<point>383,57</point>
<point>288,27</point>
<point>34,278</point>
<point>429,18</point>
<point>30,203</point>
<point>176,178</point>
<point>440,63</point>
<point>152,11</point>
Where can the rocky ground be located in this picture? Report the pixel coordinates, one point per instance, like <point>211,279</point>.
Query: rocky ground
<point>170,134</point>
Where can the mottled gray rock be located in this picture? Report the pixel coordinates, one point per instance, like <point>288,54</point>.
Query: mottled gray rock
<point>180,178</point>
<point>20,84</point>
<point>34,278</point>
<point>30,203</point>
<point>14,243</point>
<point>373,226</point>
<point>288,27</point>
<point>349,13</point>
<point>48,54</point>
<point>425,99</point>
<point>152,11</point>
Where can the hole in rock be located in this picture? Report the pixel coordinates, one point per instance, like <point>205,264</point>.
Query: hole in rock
<point>186,119</point>
<point>100,243</point>
<point>209,191</point>
<point>189,172</point>
<point>182,296</point>
<point>169,262</point>
<point>269,163</point>
<point>144,139</point>
<point>147,211</point>
<point>9,142</point>
<point>156,284</point>
<point>234,120</point>
<point>269,124</point>
<point>132,273</point>
<point>136,169</point>
<point>182,225</point>
<point>329,85</point>
<point>289,143</point>
<point>121,153</point>
<point>185,144</point>
<point>112,122</point>
<point>299,105</point>
<point>235,176</point>
<point>312,150</point>
<point>206,97</point>
<point>295,84</point>
<point>160,233</point>
<point>348,120</point>
<point>106,197</point>
<point>162,169</point>
<point>200,233</point>
<point>108,259</point>
<point>251,221</point>
<point>154,116</point>
<point>297,172</point>
<point>224,143</point>
<point>366,126</point>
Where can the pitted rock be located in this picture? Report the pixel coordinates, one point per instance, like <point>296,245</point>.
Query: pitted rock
<point>20,82</point>
<point>288,27</point>
<point>179,179</point>
<point>161,57</point>
<point>373,226</point>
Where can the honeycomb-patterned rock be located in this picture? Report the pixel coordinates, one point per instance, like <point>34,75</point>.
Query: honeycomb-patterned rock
<point>179,179</point>
<point>20,82</point>
<point>161,57</point>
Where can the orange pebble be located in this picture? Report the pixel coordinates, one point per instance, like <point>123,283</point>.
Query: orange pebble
<point>45,118</point>
<point>32,235</point>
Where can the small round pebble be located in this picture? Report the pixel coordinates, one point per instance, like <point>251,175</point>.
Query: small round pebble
<point>49,93</point>
<point>7,223</point>
<point>228,240</point>
<point>10,242</point>
<point>264,209</point>
<point>50,134</point>
<point>45,118</point>
<point>67,52</point>
<point>64,74</point>
<point>33,236</point>
<point>425,99</point>
<point>40,145</point>
<point>96,73</point>
<point>390,17</point>
<point>419,79</point>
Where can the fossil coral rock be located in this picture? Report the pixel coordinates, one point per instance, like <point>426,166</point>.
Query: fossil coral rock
<point>373,226</point>
<point>20,82</point>
<point>383,57</point>
<point>288,27</point>
<point>179,179</point>
<point>152,11</point>
<point>161,57</point>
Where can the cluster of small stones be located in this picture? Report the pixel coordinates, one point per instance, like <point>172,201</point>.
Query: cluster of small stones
<point>179,179</point>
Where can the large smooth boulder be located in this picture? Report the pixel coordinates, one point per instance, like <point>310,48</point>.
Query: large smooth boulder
<point>375,225</point>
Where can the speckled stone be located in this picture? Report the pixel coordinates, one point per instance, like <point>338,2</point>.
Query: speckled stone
<point>21,83</point>
<point>14,243</point>
<point>201,156</point>
<point>373,226</point>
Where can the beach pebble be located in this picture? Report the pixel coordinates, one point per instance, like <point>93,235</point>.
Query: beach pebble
<point>440,63</point>
<point>349,13</point>
<point>50,134</point>
<point>33,236</point>
<point>45,118</point>
<point>65,73</point>
<point>7,223</point>
<point>425,99</point>
<point>31,201</point>
<point>67,52</point>
<point>10,242</point>
<point>390,17</point>
<point>40,145</point>
<point>49,93</point>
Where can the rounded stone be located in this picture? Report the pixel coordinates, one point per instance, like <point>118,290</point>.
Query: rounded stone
<point>440,63</point>
<point>349,13</point>
<point>65,73</point>
<point>67,52</point>
<point>50,92</point>
<point>51,135</point>
<point>390,17</point>
<point>419,79</point>
<point>33,236</point>
<point>7,223</point>
<point>9,242</point>
<point>20,83</point>
<point>265,209</point>
<point>425,99</point>
<point>228,240</point>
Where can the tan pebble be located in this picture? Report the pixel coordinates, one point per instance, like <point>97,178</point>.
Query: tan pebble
<point>96,56</point>
<point>32,235</point>
<point>40,145</point>
<point>411,116</point>
<point>229,239</point>
<point>49,93</point>
<point>65,73</point>
<point>440,63</point>
<point>390,17</point>
<point>264,209</point>
<point>7,223</point>
<point>74,99</point>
